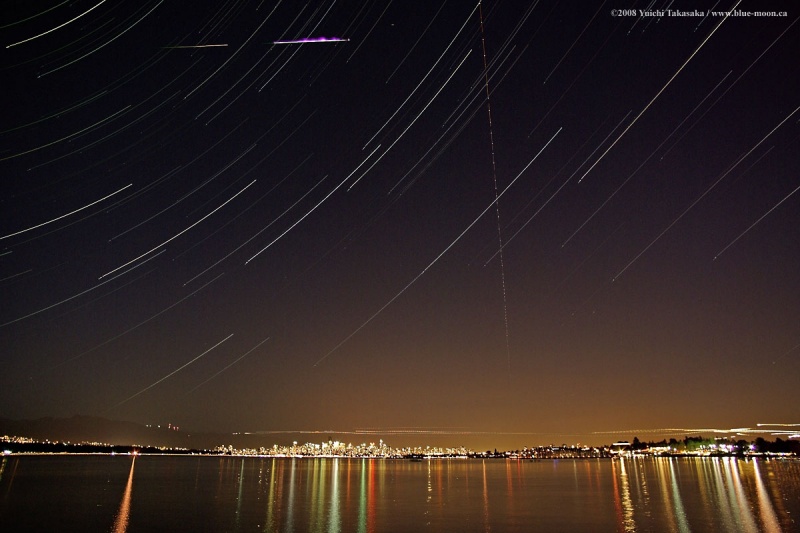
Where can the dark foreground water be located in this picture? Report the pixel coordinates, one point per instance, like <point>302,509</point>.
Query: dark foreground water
<point>163,493</point>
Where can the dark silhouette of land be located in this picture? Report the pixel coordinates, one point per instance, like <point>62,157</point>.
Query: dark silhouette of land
<point>93,429</point>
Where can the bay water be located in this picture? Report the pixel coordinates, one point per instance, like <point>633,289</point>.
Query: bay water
<point>222,493</point>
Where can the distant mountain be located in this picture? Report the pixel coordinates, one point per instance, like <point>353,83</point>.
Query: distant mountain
<point>80,428</point>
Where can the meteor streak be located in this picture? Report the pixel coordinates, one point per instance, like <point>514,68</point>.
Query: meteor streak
<point>314,40</point>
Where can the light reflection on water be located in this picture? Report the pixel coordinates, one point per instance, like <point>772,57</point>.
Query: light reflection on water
<point>486,523</point>
<point>767,512</point>
<point>679,514</point>
<point>622,497</point>
<point>334,495</point>
<point>123,515</point>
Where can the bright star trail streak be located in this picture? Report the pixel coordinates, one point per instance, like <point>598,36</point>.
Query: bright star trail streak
<point>530,219</point>
<point>574,42</point>
<point>259,232</point>
<point>70,136</point>
<point>313,208</point>
<point>143,322</point>
<point>762,217</point>
<point>477,89</point>
<point>299,220</point>
<point>413,46</point>
<point>84,56</point>
<point>645,108</point>
<point>58,27</point>
<point>35,16</point>
<point>179,233</point>
<point>708,190</point>
<point>708,108</point>
<point>535,197</point>
<point>424,270</point>
<point>410,123</point>
<point>248,352</point>
<point>643,163</point>
<point>68,214</point>
<point>366,35</point>
<point>441,56</point>
<point>230,58</point>
<point>131,397</point>
<point>65,300</point>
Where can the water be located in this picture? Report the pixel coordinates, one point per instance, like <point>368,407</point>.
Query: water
<point>169,493</point>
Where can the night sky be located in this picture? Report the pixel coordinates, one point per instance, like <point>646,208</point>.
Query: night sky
<point>203,227</point>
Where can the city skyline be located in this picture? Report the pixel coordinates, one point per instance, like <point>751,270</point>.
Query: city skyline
<point>488,219</point>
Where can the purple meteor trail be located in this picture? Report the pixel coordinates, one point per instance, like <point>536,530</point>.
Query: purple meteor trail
<point>314,40</point>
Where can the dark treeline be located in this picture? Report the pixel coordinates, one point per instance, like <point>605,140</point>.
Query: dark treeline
<point>695,444</point>
<point>64,447</point>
